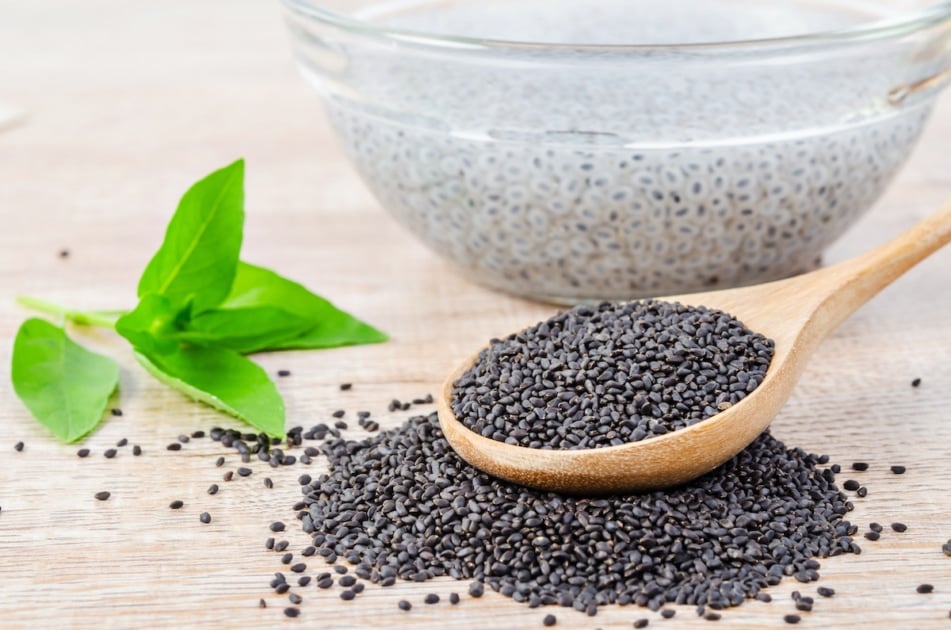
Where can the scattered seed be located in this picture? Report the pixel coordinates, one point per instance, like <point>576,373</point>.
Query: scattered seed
<point>345,386</point>
<point>476,517</point>
<point>198,434</point>
<point>213,489</point>
<point>294,598</point>
<point>244,472</point>
<point>262,603</point>
<point>174,446</point>
<point>851,485</point>
<point>925,588</point>
<point>358,588</point>
<point>300,567</point>
<point>764,597</point>
<point>859,466</point>
<point>404,605</point>
<point>453,598</point>
<point>176,504</point>
<point>281,546</point>
<point>283,373</point>
<point>103,496</point>
<point>347,595</point>
<point>898,470</point>
<point>205,517</point>
<point>291,611</point>
<point>668,613</point>
<point>269,543</point>
<point>712,616</point>
<point>549,620</point>
<point>875,527</point>
<point>326,582</point>
<point>110,453</point>
<point>220,462</point>
<point>825,591</point>
<point>268,483</point>
<point>64,253</point>
<point>347,580</point>
<point>916,382</point>
<point>641,623</point>
<point>946,548</point>
<point>432,598</point>
<point>303,580</point>
<point>228,476</point>
<point>899,527</point>
<point>792,618</point>
<point>862,492</point>
<point>277,526</point>
<point>136,450</point>
<point>116,411</point>
<point>83,452</point>
<point>122,442</point>
<point>872,535</point>
<point>283,588</point>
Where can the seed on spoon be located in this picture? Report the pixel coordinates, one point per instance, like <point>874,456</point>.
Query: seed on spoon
<point>610,374</point>
<point>490,422</point>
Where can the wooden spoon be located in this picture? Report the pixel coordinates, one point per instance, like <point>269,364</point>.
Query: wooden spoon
<point>796,313</point>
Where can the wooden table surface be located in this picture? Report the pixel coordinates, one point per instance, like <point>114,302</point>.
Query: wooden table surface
<point>126,104</point>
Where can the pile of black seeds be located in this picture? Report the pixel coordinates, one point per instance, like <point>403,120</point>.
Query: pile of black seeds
<point>610,374</point>
<point>393,447</point>
<point>402,505</point>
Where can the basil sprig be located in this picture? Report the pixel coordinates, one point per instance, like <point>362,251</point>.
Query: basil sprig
<point>200,310</point>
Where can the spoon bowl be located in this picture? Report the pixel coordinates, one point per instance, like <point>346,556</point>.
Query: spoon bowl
<point>797,313</point>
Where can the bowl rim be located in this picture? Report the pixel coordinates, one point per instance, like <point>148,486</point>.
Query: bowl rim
<point>874,30</point>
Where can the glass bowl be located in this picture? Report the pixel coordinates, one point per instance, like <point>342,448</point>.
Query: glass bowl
<point>612,149</point>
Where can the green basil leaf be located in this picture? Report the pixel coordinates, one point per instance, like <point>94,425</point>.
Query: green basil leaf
<point>152,325</point>
<point>223,379</point>
<point>244,330</point>
<point>331,327</point>
<point>65,386</point>
<point>196,263</point>
<point>336,329</point>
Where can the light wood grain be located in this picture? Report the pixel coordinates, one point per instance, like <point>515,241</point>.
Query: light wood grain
<point>126,105</point>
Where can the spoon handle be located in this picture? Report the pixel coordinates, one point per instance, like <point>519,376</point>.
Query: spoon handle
<point>851,284</point>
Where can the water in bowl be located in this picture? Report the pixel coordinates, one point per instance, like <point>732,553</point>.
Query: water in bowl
<point>570,181</point>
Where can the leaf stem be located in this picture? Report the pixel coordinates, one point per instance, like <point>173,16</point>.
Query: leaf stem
<point>105,319</point>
